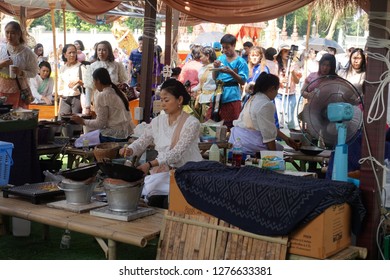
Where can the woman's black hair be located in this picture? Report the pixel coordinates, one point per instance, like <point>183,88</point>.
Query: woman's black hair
<point>332,61</point>
<point>37,46</point>
<point>363,65</point>
<point>210,52</point>
<point>265,81</point>
<point>81,44</point>
<point>110,56</point>
<point>102,75</point>
<point>195,52</point>
<point>269,53</point>
<point>177,89</point>
<point>64,49</point>
<point>229,39</point>
<point>16,26</point>
<point>45,64</point>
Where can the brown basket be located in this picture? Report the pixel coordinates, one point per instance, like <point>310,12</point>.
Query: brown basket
<point>107,150</point>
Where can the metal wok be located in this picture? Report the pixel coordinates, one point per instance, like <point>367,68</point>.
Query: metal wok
<point>120,171</point>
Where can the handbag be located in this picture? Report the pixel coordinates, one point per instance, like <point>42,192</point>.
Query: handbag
<point>25,94</point>
<point>128,91</point>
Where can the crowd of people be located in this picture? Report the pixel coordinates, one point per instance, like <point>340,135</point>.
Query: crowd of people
<point>254,93</point>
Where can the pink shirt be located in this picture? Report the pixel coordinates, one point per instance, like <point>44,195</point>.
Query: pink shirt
<point>190,72</point>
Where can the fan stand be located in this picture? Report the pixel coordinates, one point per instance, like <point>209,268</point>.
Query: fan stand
<point>340,166</point>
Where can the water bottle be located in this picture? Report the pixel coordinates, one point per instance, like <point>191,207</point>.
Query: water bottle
<point>65,240</point>
<point>248,160</point>
<point>237,153</point>
<point>85,145</point>
<point>214,153</point>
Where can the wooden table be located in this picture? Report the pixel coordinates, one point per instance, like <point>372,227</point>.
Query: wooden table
<point>77,155</point>
<point>137,232</point>
<point>292,156</point>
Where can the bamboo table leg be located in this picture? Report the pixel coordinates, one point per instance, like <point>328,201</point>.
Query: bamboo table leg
<point>109,250</point>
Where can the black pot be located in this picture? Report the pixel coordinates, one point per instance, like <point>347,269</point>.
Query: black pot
<point>81,173</point>
<point>120,171</point>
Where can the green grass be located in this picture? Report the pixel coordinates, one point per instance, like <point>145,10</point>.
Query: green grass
<point>82,247</point>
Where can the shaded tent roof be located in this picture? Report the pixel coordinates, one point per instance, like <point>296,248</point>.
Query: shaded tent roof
<point>192,12</point>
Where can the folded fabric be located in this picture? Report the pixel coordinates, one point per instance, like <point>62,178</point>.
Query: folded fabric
<point>92,137</point>
<point>262,201</point>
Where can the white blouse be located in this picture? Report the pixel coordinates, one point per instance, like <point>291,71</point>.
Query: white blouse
<point>261,112</point>
<point>355,78</point>
<point>69,74</point>
<point>112,118</point>
<point>35,83</point>
<point>117,71</point>
<point>160,133</point>
<point>208,84</point>
<point>24,59</point>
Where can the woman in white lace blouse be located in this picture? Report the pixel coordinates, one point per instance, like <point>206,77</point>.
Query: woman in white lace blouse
<point>105,59</point>
<point>113,117</point>
<point>175,135</point>
<point>15,52</point>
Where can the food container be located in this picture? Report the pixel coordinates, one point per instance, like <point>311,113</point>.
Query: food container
<point>23,114</point>
<point>123,196</point>
<point>78,192</point>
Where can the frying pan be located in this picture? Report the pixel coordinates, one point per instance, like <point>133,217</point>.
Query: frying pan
<point>120,171</point>
<point>311,150</point>
<point>81,173</point>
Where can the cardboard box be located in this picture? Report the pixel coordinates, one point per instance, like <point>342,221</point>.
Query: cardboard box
<point>213,132</point>
<point>324,236</point>
<point>177,202</point>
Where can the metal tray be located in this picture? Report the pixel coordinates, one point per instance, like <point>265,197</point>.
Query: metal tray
<point>35,192</point>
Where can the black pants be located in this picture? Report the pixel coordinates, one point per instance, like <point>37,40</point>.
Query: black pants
<point>160,201</point>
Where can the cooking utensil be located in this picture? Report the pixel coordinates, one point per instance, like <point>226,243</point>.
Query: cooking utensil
<point>120,171</point>
<point>78,192</point>
<point>81,173</point>
<point>123,196</point>
<point>311,150</point>
<point>35,192</point>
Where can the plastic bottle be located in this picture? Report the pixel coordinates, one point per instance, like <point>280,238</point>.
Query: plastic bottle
<point>214,153</point>
<point>85,145</point>
<point>248,160</point>
<point>65,240</point>
<point>237,153</point>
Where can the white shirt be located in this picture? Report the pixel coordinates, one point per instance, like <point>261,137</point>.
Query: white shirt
<point>69,74</point>
<point>117,71</point>
<point>112,119</point>
<point>47,91</point>
<point>355,78</point>
<point>208,84</point>
<point>25,59</point>
<point>160,133</point>
<point>261,111</point>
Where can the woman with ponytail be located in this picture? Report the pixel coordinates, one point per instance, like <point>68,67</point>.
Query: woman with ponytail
<point>113,117</point>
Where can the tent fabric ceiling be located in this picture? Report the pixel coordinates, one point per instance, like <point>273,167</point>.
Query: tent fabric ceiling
<point>192,12</point>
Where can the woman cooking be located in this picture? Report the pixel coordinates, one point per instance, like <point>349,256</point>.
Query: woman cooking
<point>113,117</point>
<point>23,61</point>
<point>256,124</point>
<point>175,135</point>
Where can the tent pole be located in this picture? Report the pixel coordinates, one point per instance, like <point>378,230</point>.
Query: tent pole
<point>376,135</point>
<point>63,6</point>
<point>52,6</point>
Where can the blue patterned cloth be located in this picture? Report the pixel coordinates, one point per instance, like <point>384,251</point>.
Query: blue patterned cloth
<point>261,201</point>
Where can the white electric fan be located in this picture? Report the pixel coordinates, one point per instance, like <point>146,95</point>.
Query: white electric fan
<point>333,116</point>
